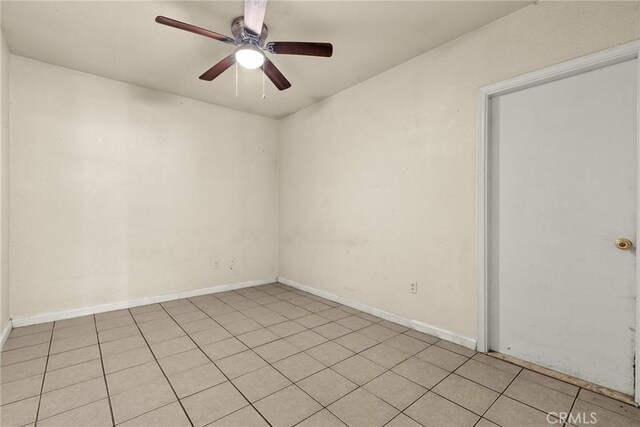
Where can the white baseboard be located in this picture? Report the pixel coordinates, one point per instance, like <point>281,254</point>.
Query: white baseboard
<point>5,333</point>
<point>409,323</point>
<point>60,315</point>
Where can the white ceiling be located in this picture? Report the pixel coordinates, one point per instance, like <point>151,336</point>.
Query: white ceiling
<point>120,40</point>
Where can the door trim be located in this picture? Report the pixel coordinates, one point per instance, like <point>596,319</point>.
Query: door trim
<point>569,68</point>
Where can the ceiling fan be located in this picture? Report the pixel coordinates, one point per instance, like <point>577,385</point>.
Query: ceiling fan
<point>249,35</point>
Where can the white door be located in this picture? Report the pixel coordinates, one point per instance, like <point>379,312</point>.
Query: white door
<point>563,167</point>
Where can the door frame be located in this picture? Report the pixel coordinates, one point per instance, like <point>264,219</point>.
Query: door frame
<point>569,68</point>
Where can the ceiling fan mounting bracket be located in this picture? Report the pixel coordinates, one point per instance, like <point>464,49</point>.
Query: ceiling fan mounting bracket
<point>244,36</point>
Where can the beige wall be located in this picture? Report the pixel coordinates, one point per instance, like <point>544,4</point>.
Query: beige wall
<point>120,192</point>
<point>4,184</point>
<point>377,184</point>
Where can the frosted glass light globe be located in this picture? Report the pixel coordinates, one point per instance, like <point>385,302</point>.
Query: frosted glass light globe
<point>249,57</point>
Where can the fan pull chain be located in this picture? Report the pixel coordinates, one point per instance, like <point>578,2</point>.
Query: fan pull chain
<point>236,79</point>
<point>263,95</point>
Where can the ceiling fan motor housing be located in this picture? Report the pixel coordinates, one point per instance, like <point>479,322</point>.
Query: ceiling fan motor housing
<point>244,36</point>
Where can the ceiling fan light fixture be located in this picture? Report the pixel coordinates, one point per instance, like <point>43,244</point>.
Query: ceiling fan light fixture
<point>249,36</point>
<point>249,57</point>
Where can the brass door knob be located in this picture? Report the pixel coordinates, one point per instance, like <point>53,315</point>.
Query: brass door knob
<point>623,244</point>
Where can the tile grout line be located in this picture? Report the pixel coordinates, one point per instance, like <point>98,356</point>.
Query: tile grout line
<point>404,333</point>
<point>62,352</point>
<point>104,374</point>
<point>144,413</point>
<point>53,370</point>
<point>378,342</point>
<point>312,329</point>
<point>484,386</point>
<point>602,407</point>
<point>41,332</point>
<point>161,369</point>
<point>44,374</point>
<point>28,334</point>
<point>70,338</point>
<point>500,395</point>
<point>430,389</point>
<point>527,404</point>
<point>23,348</point>
<point>358,386</point>
<point>234,336</point>
<point>427,390</point>
<point>89,403</point>
<point>297,353</point>
<point>61,388</point>
<point>373,379</point>
<point>293,383</point>
<point>214,364</point>
<point>575,399</point>
<point>262,326</point>
<point>67,351</point>
<point>279,338</point>
<point>327,367</point>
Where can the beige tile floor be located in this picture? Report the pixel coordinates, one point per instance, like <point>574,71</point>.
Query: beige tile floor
<point>270,355</point>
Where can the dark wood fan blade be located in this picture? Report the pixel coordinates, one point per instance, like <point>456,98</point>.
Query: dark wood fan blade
<point>301,48</point>
<point>192,28</point>
<point>254,11</point>
<point>219,68</point>
<point>278,79</point>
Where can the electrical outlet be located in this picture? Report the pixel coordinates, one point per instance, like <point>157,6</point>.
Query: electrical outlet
<point>232,263</point>
<point>216,265</point>
<point>413,287</point>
